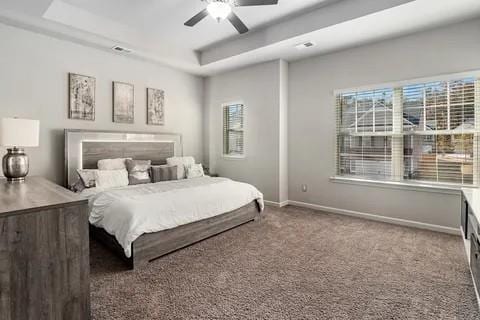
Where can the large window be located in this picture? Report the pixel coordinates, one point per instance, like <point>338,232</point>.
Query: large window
<point>423,132</point>
<point>233,134</point>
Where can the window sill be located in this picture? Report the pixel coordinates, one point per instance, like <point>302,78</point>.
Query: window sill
<point>445,188</point>
<point>231,157</point>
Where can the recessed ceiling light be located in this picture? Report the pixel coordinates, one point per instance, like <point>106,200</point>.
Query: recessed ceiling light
<point>305,45</point>
<point>121,49</point>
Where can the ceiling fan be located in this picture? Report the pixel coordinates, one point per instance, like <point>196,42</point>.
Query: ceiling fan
<point>222,9</point>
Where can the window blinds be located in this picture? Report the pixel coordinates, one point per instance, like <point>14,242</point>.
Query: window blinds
<point>425,132</point>
<point>233,126</point>
<point>364,133</point>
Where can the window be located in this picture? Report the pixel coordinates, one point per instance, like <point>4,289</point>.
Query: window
<point>419,132</point>
<point>233,130</point>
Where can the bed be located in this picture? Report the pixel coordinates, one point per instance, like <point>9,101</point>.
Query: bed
<point>144,222</point>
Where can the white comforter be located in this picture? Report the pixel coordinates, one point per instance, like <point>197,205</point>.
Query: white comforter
<point>129,212</point>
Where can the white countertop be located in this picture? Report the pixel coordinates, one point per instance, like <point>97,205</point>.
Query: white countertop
<point>472,195</point>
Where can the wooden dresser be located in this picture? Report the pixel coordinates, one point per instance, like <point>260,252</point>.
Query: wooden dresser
<point>44,252</point>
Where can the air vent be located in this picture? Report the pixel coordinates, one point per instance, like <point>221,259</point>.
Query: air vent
<point>305,45</point>
<point>121,49</point>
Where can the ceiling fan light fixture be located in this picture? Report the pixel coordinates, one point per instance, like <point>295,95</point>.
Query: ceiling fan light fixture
<point>219,10</point>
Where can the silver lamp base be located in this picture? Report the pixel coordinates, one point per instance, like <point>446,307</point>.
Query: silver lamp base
<point>15,165</point>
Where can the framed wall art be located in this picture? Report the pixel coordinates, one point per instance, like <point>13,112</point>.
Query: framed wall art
<point>81,97</point>
<point>123,102</point>
<point>155,107</point>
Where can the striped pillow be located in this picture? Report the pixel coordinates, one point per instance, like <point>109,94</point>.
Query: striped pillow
<point>163,173</point>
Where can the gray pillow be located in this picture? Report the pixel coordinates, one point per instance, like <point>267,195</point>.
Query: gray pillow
<point>163,173</point>
<point>87,176</point>
<point>78,186</point>
<point>138,171</point>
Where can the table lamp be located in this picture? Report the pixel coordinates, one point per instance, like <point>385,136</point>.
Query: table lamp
<point>15,134</point>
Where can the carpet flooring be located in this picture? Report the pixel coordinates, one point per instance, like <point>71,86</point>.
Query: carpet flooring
<point>294,264</point>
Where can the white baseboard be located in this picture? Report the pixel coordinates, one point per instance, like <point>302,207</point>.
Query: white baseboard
<point>402,222</point>
<point>276,204</point>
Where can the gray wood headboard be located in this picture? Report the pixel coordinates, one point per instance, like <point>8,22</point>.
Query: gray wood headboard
<point>83,148</point>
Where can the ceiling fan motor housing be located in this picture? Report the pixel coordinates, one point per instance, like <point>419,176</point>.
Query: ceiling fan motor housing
<point>219,9</point>
<point>222,9</point>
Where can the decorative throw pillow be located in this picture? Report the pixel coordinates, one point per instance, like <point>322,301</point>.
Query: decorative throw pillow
<point>112,164</point>
<point>111,178</point>
<point>87,176</point>
<point>78,186</point>
<point>180,162</point>
<point>163,173</point>
<point>194,171</point>
<point>138,171</point>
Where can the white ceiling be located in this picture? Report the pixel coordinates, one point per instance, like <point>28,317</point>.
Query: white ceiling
<point>163,19</point>
<point>154,29</point>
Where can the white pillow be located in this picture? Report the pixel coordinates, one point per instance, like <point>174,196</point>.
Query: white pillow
<point>112,164</point>
<point>181,163</point>
<point>194,171</point>
<point>111,178</point>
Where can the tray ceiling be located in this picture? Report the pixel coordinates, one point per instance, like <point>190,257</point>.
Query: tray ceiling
<point>154,29</point>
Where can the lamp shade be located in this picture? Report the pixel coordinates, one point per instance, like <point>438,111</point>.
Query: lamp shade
<point>19,132</point>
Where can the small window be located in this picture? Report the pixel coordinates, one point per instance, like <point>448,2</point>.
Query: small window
<point>233,130</point>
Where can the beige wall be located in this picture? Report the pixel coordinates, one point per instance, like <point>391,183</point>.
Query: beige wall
<point>34,84</point>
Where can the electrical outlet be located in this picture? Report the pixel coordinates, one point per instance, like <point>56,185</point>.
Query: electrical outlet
<point>304,188</point>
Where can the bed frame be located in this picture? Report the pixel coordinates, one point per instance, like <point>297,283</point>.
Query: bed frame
<point>84,148</point>
<point>151,246</point>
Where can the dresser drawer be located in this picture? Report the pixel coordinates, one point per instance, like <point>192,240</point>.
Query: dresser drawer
<point>464,217</point>
<point>473,226</point>
<point>475,259</point>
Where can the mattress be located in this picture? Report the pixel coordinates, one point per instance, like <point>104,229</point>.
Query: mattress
<point>128,212</point>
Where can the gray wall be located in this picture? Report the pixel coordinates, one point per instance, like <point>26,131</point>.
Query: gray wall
<point>311,118</point>
<point>283,134</point>
<point>34,84</point>
<point>308,85</point>
<point>258,87</point>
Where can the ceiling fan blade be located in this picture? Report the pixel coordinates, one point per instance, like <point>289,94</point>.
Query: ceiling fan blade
<point>237,23</point>
<point>196,18</point>
<point>245,3</point>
